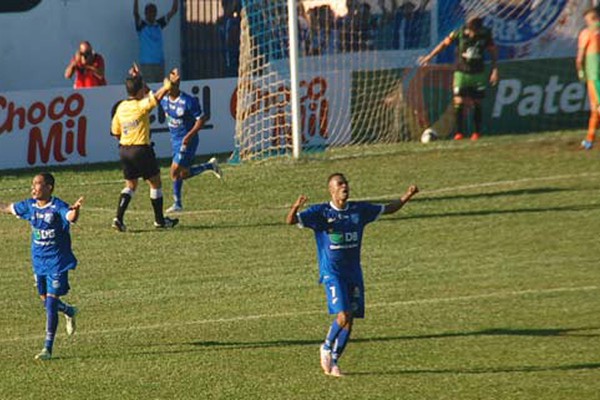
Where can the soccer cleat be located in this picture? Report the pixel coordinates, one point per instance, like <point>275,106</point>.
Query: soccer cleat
<point>587,145</point>
<point>325,355</point>
<point>458,136</point>
<point>335,371</point>
<point>118,225</point>
<point>216,169</point>
<point>44,355</point>
<point>475,136</point>
<point>169,223</point>
<point>175,208</point>
<point>70,325</point>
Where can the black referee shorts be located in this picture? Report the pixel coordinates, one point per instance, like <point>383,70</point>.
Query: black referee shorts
<point>138,162</point>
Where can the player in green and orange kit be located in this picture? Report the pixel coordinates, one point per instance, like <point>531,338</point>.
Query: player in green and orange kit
<point>470,78</point>
<point>588,69</point>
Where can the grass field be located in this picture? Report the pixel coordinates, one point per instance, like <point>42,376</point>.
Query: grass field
<point>485,287</point>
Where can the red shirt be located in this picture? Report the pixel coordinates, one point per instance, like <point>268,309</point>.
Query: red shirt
<point>84,78</point>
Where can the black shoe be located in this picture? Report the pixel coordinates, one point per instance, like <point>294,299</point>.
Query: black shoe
<point>118,225</point>
<point>169,223</point>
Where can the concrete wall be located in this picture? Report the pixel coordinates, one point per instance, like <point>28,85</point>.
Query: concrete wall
<point>36,46</point>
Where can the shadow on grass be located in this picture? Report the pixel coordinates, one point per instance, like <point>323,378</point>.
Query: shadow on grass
<point>474,213</point>
<point>546,332</point>
<point>501,193</point>
<point>480,213</point>
<point>478,371</point>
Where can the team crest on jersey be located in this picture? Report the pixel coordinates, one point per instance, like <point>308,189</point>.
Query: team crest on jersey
<point>179,111</point>
<point>56,284</point>
<point>48,218</point>
<point>355,218</point>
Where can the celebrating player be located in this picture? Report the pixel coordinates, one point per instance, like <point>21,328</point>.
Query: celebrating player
<point>185,119</point>
<point>51,253</point>
<point>588,69</point>
<point>338,227</point>
<point>131,124</point>
<point>470,80</point>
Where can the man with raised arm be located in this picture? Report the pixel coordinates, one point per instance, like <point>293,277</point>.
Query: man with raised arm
<point>51,255</point>
<point>131,125</point>
<point>338,227</point>
<point>149,30</point>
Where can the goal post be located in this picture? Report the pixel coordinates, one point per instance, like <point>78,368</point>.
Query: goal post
<point>321,74</point>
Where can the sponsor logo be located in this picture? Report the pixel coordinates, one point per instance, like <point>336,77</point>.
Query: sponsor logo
<point>552,97</point>
<point>43,234</point>
<point>67,132</point>
<point>515,23</point>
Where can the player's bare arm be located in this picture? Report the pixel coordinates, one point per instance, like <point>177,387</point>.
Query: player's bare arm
<point>396,205</point>
<point>173,10</point>
<point>292,217</point>
<point>194,131</point>
<point>579,63</point>
<point>494,77</point>
<point>136,12</point>
<point>424,60</point>
<point>74,210</point>
<point>5,208</point>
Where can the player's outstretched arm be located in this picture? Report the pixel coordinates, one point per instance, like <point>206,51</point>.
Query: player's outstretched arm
<point>74,210</point>
<point>292,218</point>
<point>394,206</point>
<point>6,208</point>
<point>424,60</point>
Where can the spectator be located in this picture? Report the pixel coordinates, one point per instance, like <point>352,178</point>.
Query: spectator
<point>231,39</point>
<point>323,36</point>
<point>411,26</point>
<point>358,27</point>
<point>152,58</point>
<point>87,66</point>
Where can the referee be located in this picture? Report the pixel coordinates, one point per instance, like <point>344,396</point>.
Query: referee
<point>131,124</point>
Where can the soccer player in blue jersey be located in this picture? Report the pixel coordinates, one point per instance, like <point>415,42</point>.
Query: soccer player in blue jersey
<point>185,119</point>
<point>338,227</point>
<point>51,253</point>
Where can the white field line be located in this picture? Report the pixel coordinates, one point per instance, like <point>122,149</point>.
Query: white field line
<point>389,196</point>
<point>404,303</point>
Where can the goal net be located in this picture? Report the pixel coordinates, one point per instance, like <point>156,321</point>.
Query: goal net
<point>359,79</point>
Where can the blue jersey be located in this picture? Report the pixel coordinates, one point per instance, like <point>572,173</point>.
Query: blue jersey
<point>182,113</point>
<point>50,237</point>
<point>339,236</point>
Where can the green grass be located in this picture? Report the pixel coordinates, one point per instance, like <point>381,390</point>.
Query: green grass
<point>485,286</point>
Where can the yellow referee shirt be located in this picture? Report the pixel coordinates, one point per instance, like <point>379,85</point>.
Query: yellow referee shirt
<point>132,121</point>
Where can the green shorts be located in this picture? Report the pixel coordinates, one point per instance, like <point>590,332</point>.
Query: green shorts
<point>469,85</point>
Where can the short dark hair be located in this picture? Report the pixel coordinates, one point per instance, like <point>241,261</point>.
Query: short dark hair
<point>48,178</point>
<point>335,175</point>
<point>150,7</point>
<point>591,10</point>
<point>475,23</point>
<point>134,84</point>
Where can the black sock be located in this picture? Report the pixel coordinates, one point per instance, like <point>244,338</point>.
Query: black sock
<point>124,200</point>
<point>157,205</point>
<point>458,115</point>
<point>477,117</point>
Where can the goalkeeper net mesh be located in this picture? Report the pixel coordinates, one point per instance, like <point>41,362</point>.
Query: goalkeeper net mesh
<point>360,82</point>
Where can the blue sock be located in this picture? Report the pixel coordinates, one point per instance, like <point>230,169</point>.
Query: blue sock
<point>51,321</point>
<point>177,186</point>
<point>333,333</point>
<point>200,168</point>
<point>340,344</point>
<point>65,308</point>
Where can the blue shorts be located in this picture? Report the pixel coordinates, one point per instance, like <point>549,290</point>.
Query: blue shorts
<point>185,159</point>
<point>55,284</point>
<point>345,296</point>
